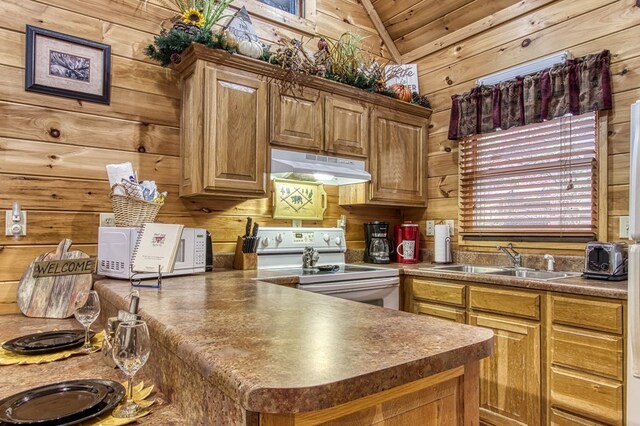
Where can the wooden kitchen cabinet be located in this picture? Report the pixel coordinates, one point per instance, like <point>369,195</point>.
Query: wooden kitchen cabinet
<point>224,133</point>
<point>297,119</point>
<point>510,379</point>
<point>558,358</point>
<point>397,162</point>
<point>346,124</point>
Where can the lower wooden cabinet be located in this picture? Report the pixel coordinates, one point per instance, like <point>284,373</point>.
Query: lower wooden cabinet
<point>510,379</point>
<point>558,359</point>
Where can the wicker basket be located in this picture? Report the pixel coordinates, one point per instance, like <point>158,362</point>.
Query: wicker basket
<point>132,211</point>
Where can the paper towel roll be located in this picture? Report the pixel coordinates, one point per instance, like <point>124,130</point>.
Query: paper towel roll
<point>442,251</point>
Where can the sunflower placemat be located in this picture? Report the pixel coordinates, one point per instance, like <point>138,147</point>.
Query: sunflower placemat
<point>140,395</point>
<point>10,358</point>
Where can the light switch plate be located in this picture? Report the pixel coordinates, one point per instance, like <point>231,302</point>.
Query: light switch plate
<point>431,227</point>
<point>107,219</point>
<point>624,227</point>
<point>452,226</point>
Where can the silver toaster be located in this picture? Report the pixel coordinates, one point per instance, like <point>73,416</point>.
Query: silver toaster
<point>606,261</point>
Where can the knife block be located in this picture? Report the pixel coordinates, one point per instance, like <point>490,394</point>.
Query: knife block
<point>244,261</point>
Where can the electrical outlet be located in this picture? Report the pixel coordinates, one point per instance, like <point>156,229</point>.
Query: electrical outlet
<point>107,219</point>
<point>15,228</point>
<point>431,227</point>
<point>624,227</point>
<point>452,226</point>
<point>296,223</point>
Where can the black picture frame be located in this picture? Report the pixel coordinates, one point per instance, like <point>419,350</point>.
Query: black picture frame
<point>31,68</point>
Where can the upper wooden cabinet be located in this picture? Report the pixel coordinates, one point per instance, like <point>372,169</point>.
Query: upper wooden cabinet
<point>397,162</point>
<point>224,133</point>
<point>231,113</point>
<point>346,126</point>
<point>297,119</point>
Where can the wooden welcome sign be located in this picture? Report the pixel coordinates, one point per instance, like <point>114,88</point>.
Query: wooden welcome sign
<point>51,283</point>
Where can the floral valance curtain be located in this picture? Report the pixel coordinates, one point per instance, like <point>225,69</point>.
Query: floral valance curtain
<point>578,86</point>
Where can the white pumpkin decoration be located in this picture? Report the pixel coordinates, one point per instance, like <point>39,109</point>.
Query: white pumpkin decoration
<point>252,49</point>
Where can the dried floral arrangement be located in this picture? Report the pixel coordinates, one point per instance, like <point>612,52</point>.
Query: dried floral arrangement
<point>342,60</point>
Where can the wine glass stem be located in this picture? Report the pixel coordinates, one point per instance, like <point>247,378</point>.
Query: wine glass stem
<point>130,389</point>
<point>86,336</point>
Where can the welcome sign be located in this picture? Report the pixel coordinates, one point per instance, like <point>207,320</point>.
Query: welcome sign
<point>57,268</point>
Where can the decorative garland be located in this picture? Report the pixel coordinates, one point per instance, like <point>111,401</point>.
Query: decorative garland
<point>342,60</point>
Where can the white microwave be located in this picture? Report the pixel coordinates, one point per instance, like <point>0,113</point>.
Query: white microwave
<point>116,246</point>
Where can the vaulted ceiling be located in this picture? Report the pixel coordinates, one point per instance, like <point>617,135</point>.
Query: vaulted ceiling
<point>414,23</point>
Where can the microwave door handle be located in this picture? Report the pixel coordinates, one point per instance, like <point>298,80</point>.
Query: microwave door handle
<point>634,299</point>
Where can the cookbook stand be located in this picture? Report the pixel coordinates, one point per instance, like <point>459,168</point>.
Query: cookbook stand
<point>137,282</point>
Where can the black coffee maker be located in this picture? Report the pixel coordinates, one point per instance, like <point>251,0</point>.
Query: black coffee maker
<point>378,248</point>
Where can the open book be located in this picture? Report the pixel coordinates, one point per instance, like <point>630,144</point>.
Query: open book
<point>157,246</point>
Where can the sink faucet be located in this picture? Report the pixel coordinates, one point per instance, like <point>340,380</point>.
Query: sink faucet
<point>515,257</point>
<point>550,262</point>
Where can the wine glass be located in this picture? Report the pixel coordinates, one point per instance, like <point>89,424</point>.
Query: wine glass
<point>87,306</point>
<point>131,347</point>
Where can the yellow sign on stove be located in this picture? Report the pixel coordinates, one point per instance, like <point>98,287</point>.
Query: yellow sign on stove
<point>294,199</point>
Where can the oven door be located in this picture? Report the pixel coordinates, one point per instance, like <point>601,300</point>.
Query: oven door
<point>383,292</point>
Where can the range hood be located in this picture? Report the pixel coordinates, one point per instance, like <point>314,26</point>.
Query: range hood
<point>317,168</point>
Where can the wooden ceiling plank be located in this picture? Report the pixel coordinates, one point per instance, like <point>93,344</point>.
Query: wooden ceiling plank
<point>421,14</point>
<point>451,22</point>
<point>386,38</point>
<point>387,9</point>
<point>493,20</point>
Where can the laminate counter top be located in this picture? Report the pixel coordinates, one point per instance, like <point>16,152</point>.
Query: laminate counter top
<point>273,349</point>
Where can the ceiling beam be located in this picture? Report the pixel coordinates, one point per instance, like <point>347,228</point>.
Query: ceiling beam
<point>382,30</point>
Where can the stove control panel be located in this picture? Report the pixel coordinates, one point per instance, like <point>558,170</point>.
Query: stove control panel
<point>276,239</point>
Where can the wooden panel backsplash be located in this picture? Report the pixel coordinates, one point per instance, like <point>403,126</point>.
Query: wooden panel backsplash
<point>531,32</point>
<point>54,149</point>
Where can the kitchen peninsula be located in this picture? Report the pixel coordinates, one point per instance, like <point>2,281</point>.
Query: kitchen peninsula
<point>229,349</point>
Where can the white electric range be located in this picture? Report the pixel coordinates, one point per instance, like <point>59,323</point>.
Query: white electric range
<point>280,250</point>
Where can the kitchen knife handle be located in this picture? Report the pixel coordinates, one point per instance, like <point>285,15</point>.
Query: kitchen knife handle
<point>248,227</point>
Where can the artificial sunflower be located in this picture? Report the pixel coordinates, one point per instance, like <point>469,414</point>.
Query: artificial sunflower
<point>193,17</point>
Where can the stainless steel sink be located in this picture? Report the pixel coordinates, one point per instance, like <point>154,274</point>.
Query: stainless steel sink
<point>504,271</point>
<point>466,269</point>
<point>535,275</point>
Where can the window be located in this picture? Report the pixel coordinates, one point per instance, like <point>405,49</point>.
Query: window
<point>537,181</point>
<point>293,7</point>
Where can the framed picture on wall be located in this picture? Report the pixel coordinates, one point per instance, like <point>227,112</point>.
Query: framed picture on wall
<point>63,65</point>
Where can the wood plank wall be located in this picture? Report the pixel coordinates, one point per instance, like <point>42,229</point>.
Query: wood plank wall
<point>529,30</point>
<point>61,181</point>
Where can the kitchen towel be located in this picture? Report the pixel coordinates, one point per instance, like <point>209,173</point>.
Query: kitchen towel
<point>442,252</point>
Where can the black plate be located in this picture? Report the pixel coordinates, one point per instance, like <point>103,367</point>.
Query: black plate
<point>66,403</point>
<point>49,341</point>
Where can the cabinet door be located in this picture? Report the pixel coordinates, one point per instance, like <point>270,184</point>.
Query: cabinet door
<point>346,126</point>
<point>510,388</point>
<point>398,160</point>
<point>235,133</point>
<point>439,311</point>
<point>296,119</point>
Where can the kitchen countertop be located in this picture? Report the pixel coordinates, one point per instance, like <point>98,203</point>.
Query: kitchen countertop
<point>17,378</point>
<point>572,285</point>
<point>275,349</point>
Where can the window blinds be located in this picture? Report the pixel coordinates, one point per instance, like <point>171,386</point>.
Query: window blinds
<point>534,180</point>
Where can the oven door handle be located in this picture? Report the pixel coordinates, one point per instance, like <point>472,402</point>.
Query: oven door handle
<point>355,285</point>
